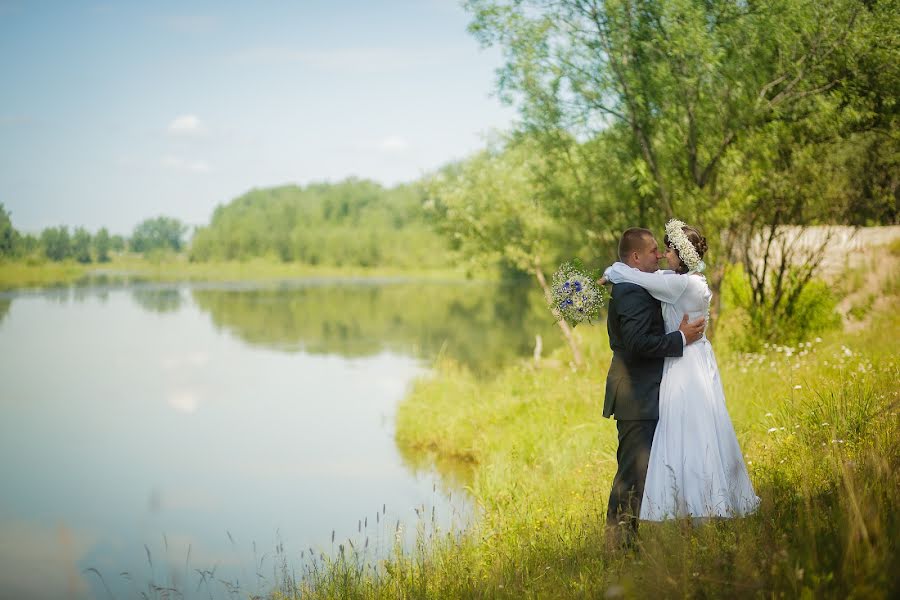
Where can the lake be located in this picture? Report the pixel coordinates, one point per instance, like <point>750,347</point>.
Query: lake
<point>196,436</point>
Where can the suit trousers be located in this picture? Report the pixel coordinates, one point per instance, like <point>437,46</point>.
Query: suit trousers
<point>633,455</point>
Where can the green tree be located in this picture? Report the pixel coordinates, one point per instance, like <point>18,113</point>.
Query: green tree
<point>102,244</point>
<point>8,234</point>
<point>685,79</point>
<point>353,222</point>
<point>117,243</point>
<point>160,233</point>
<point>492,211</point>
<point>81,245</point>
<point>56,243</point>
<point>680,96</point>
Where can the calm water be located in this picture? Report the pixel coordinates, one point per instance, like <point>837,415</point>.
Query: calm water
<point>151,431</point>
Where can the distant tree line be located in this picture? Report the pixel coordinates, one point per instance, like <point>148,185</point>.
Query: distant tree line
<point>350,223</point>
<point>60,244</point>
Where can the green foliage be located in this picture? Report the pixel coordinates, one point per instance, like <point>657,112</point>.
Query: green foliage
<point>752,324</point>
<point>117,243</point>
<point>56,243</point>
<point>491,210</point>
<point>102,245</point>
<point>81,245</point>
<point>8,234</point>
<point>734,117</point>
<point>160,233</point>
<point>352,223</point>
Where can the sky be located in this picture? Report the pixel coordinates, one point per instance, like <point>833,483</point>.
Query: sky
<point>114,112</point>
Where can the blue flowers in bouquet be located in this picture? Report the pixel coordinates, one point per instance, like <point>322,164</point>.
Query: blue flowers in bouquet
<point>575,294</point>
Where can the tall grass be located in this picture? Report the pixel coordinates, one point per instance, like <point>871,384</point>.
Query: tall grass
<point>818,426</point>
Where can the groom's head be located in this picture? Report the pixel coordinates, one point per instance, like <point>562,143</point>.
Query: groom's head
<point>638,249</point>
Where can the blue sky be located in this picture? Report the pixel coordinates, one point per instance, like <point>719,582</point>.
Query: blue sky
<point>114,112</point>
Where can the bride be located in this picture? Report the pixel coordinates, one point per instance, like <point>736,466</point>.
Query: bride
<point>696,468</point>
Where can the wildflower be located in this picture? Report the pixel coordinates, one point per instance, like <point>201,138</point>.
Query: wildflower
<point>768,414</point>
<point>818,340</point>
<point>772,429</point>
<point>797,387</point>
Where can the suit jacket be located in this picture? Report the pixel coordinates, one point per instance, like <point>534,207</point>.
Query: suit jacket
<point>639,343</point>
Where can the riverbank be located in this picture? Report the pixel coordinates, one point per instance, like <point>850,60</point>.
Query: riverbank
<point>818,426</point>
<point>36,274</point>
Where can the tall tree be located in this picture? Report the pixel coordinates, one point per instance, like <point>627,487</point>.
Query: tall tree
<point>81,245</point>
<point>7,233</point>
<point>159,233</point>
<point>102,245</point>
<point>56,243</point>
<point>492,210</point>
<point>686,79</point>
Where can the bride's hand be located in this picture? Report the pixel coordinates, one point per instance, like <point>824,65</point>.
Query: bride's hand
<point>602,281</point>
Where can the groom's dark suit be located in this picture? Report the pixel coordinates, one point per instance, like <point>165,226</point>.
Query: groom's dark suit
<point>639,343</point>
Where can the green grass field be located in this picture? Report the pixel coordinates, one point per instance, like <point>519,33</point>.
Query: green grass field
<point>818,426</point>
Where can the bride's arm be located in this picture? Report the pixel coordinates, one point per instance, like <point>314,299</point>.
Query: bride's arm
<point>665,286</point>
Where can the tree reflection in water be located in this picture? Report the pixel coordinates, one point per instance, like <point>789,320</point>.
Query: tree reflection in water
<point>480,325</point>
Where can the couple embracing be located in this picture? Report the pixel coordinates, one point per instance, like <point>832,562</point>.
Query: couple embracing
<point>678,455</point>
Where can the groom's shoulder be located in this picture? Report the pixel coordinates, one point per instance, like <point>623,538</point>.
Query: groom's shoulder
<point>631,294</point>
<point>620,290</point>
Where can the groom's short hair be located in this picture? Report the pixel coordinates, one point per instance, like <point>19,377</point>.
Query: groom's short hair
<point>633,239</point>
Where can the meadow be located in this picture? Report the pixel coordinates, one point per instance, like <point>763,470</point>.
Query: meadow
<point>818,425</point>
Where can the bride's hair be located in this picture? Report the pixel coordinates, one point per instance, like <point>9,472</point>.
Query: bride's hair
<point>696,239</point>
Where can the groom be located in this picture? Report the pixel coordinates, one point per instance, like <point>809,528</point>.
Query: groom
<point>639,343</point>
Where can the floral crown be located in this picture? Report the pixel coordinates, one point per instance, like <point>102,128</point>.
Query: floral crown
<point>686,250</point>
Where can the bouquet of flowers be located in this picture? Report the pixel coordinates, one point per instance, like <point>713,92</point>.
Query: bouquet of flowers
<point>576,294</point>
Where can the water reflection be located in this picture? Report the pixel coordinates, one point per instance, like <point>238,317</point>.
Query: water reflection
<point>158,300</point>
<point>5,303</point>
<point>483,326</point>
<point>165,415</point>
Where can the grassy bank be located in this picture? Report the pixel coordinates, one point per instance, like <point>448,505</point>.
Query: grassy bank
<point>30,274</point>
<point>818,425</point>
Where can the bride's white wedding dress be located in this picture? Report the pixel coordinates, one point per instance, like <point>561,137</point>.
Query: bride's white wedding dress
<point>696,467</point>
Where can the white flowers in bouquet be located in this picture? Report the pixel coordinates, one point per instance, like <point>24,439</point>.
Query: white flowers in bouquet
<point>575,294</point>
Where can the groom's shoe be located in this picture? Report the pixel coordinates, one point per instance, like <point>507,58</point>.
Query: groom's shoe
<point>618,537</point>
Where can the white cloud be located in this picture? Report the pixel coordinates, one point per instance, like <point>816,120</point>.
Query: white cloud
<point>182,164</point>
<point>393,144</point>
<point>186,125</point>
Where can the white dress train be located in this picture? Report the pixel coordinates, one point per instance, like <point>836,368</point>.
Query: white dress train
<point>696,467</point>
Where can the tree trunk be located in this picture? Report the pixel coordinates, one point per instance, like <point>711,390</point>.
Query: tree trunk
<point>566,330</point>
